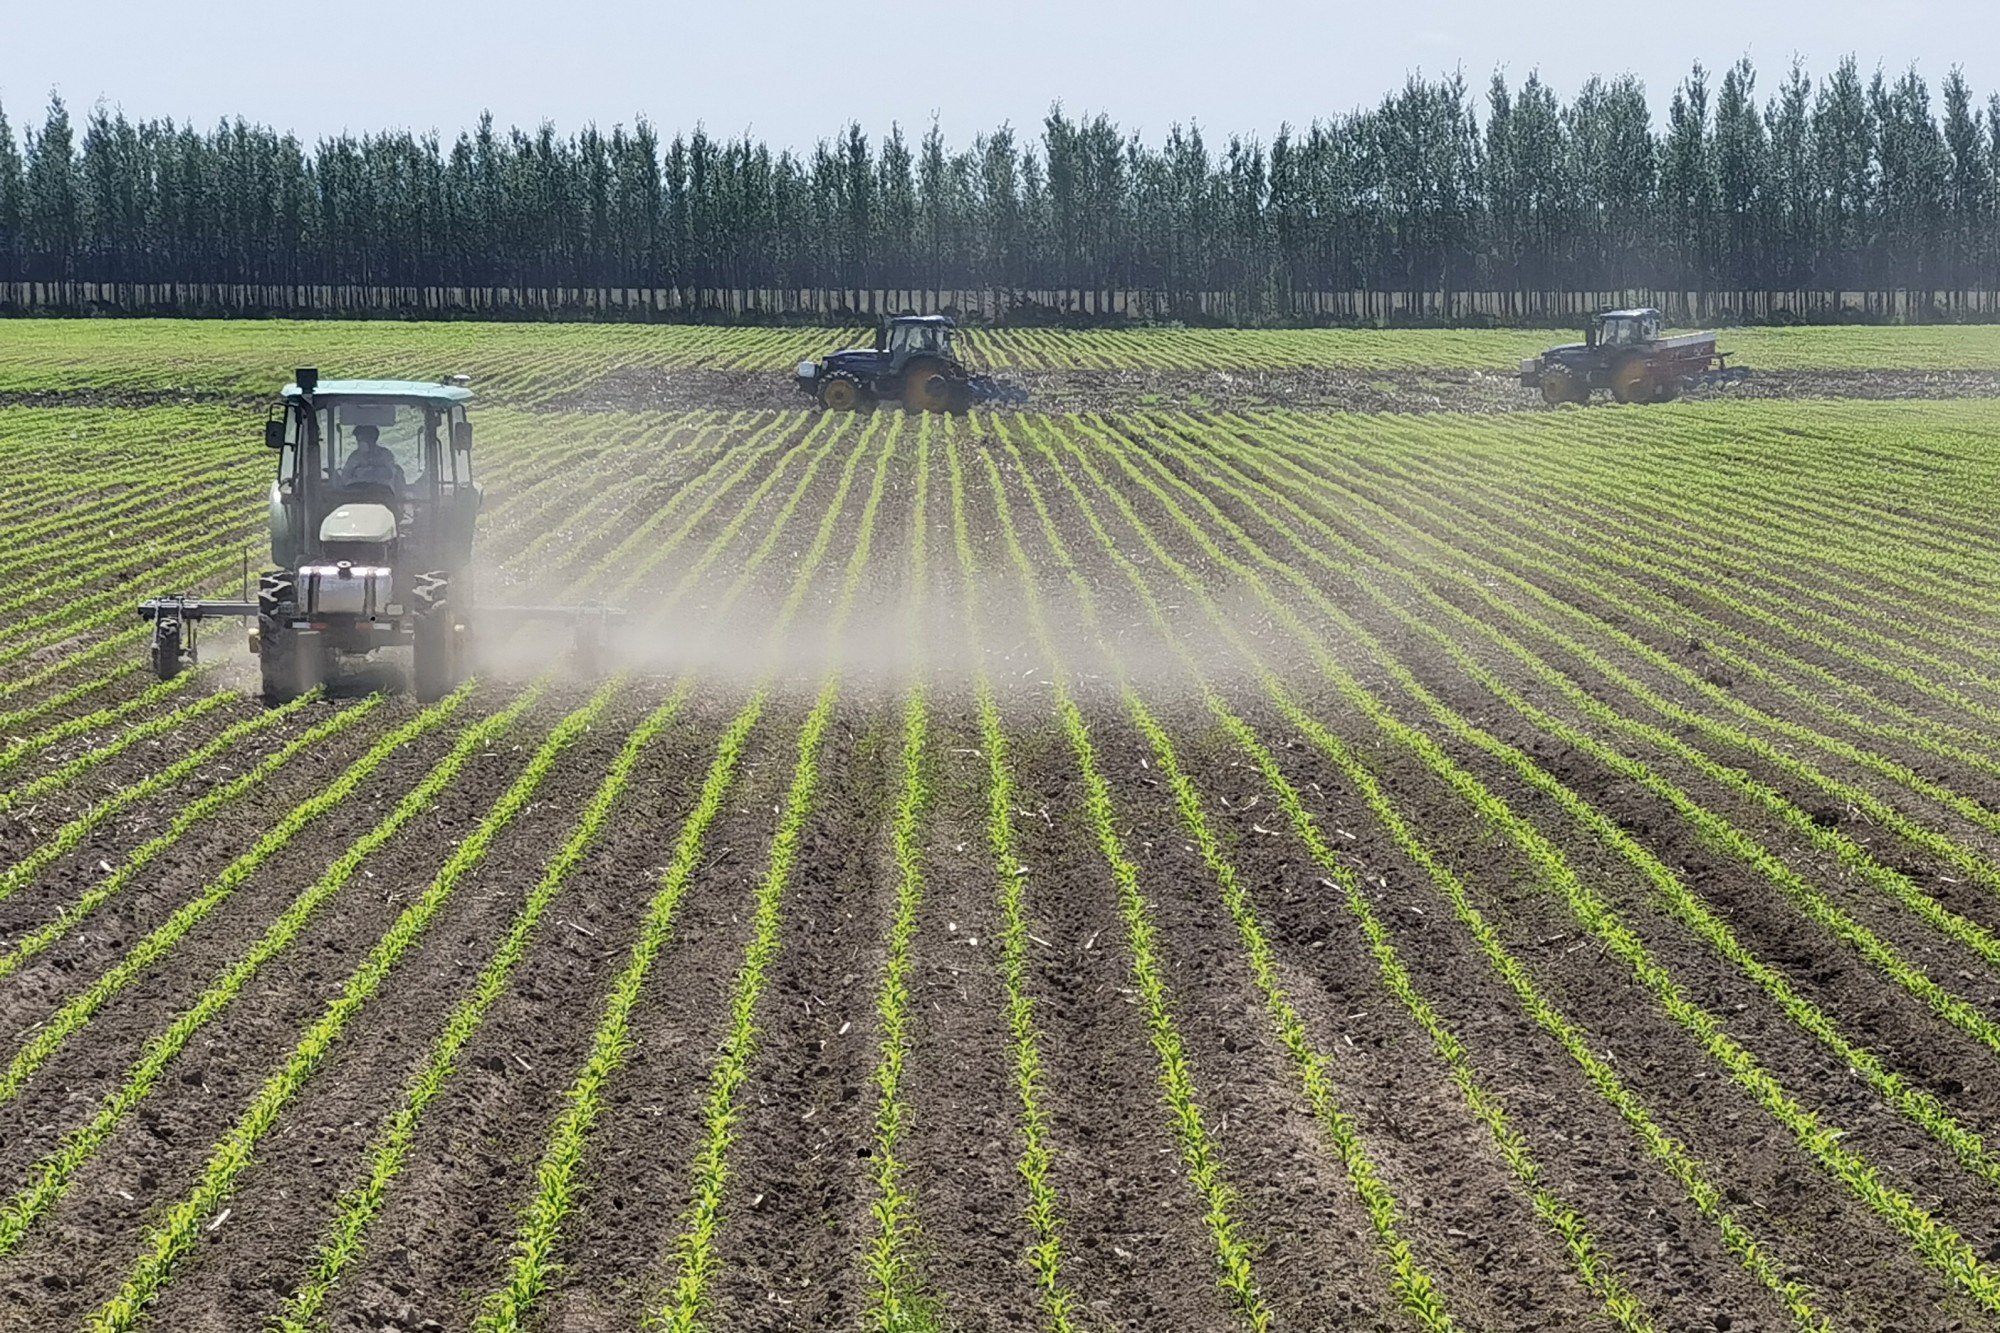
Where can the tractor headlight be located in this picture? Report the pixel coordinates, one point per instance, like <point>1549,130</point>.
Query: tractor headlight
<point>807,370</point>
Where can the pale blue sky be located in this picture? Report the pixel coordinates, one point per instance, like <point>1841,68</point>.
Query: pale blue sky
<point>791,73</point>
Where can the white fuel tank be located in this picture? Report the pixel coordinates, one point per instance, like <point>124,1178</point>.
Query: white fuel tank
<point>343,590</point>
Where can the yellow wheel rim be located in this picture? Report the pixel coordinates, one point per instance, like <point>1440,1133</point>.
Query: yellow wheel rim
<point>1556,388</point>
<point>839,395</point>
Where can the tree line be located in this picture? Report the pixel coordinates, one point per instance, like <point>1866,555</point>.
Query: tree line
<point>1849,182</point>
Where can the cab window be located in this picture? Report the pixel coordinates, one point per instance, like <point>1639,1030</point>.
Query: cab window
<point>398,428</point>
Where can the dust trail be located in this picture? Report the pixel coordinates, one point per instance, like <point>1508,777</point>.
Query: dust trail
<point>899,631</point>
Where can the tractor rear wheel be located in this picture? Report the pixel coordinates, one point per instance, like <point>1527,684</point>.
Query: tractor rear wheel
<point>434,666</point>
<point>840,392</point>
<point>167,661</point>
<point>1632,380</point>
<point>280,664</point>
<point>927,386</point>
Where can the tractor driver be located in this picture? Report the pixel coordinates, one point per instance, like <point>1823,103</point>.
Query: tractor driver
<point>371,464</point>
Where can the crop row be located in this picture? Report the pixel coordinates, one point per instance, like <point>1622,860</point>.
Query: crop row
<point>526,364</point>
<point>1433,554</point>
<point>1928,1235</point>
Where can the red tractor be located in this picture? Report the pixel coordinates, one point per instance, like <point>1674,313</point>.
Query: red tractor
<point>1624,352</point>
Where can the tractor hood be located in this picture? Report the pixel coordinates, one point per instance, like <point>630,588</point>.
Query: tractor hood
<point>854,356</point>
<point>359,523</point>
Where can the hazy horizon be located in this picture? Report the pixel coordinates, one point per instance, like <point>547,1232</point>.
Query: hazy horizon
<point>791,75</point>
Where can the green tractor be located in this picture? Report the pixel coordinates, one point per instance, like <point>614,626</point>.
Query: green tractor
<point>372,516</point>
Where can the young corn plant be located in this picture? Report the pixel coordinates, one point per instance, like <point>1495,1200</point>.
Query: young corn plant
<point>49,1178</point>
<point>1668,1152</point>
<point>1932,1239</point>
<point>71,834</point>
<point>1415,1291</point>
<point>1681,902</point>
<point>536,1243</point>
<point>359,1208</point>
<point>19,750</point>
<point>1044,1252</point>
<point>72,916</point>
<point>174,1237</point>
<point>65,774</point>
<point>898,1302</point>
<point>1198,1152</point>
<point>693,1258</point>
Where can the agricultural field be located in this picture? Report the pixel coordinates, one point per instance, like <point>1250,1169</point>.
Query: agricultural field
<point>1156,859</point>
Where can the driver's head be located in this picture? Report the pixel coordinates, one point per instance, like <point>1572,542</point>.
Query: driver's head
<point>366,436</point>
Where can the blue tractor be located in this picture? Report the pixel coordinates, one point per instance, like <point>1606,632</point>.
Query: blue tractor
<point>913,362</point>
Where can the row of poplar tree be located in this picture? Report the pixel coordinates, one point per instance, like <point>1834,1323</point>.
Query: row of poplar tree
<point>1852,181</point>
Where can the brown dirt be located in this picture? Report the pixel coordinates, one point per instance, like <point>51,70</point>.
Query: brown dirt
<point>1136,1246</point>
<point>632,389</point>
<point>1474,391</point>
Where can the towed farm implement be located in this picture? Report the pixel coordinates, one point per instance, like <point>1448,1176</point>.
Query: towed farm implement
<point>372,517</point>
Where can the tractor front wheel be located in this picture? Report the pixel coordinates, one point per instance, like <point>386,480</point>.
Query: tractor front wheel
<point>840,393</point>
<point>434,666</point>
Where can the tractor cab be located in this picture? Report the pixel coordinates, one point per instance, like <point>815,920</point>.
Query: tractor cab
<point>907,336</point>
<point>374,472</point>
<point>1624,328</point>
<point>373,515</point>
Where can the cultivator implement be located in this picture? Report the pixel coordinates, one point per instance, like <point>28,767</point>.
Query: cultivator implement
<point>176,621</point>
<point>176,628</point>
<point>984,389</point>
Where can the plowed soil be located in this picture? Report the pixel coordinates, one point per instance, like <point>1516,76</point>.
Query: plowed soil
<point>1398,1068</point>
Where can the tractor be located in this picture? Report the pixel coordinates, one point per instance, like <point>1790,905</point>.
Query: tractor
<point>913,361</point>
<point>372,518</point>
<point>1624,352</point>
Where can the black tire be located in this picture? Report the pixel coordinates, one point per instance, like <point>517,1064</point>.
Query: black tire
<point>434,665</point>
<point>167,661</point>
<point>280,663</point>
